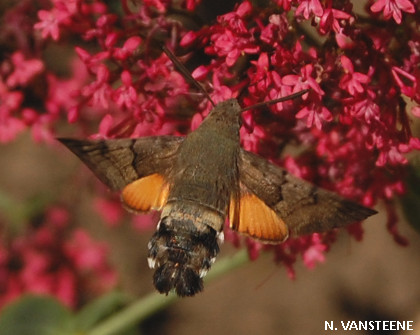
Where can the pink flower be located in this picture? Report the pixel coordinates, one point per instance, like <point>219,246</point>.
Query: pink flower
<point>110,211</point>
<point>220,92</point>
<point>10,126</point>
<point>392,155</point>
<point>403,78</point>
<point>51,263</point>
<point>352,81</point>
<point>331,19</point>
<point>66,287</point>
<point>304,81</point>
<point>125,96</point>
<point>128,48</point>
<point>314,114</point>
<point>50,22</point>
<point>231,36</point>
<point>365,108</point>
<point>286,4</point>
<point>92,63</point>
<point>231,46</point>
<point>309,7</point>
<point>24,70</point>
<point>84,253</point>
<point>99,91</point>
<point>315,252</point>
<point>393,8</point>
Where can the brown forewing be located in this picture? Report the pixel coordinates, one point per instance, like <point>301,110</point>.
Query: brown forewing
<point>119,162</point>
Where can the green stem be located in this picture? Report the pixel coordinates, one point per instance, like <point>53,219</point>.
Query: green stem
<point>143,308</point>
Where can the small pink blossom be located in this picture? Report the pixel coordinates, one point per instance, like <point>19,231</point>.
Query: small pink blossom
<point>125,96</point>
<point>408,83</point>
<point>352,81</point>
<point>309,7</point>
<point>344,41</point>
<point>304,81</point>
<point>332,19</point>
<point>50,22</point>
<point>286,4</point>
<point>391,155</point>
<point>83,252</point>
<point>110,211</point>
<point>315,115</point>
<point>220,92</point>
<point>231,46</point>
<point>231,38</point>
<point>128,48</point>
<point>393,8</point>
<point>24,70</point>
<point>92,62</point>
<point>99,91</point>
<point>51,262</point>
<point>315,253</point>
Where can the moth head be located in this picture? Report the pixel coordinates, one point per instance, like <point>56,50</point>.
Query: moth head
<point>227,111</point>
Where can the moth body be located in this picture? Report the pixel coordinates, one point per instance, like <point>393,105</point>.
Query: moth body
<point>201,181</point>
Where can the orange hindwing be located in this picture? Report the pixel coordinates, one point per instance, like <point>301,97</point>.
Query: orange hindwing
<point>252,217</point>
<point>147,193</point>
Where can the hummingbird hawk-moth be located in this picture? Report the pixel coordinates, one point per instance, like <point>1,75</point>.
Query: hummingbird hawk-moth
<point>200,180</point>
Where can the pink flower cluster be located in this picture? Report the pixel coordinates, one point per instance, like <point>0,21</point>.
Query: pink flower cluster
<point>353,128</point>
<point>48,259</point>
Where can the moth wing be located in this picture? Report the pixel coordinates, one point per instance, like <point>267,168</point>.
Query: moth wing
<point>138,167</point>
<point>249,215</point>
<point>147,193</point>
<point>302,206</point>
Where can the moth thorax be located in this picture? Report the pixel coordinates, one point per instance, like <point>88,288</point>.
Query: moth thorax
<point>182,254</point>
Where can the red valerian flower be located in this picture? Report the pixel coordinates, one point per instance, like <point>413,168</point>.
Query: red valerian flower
<point>45,260</point>
<point>352,81</point>
<point>24,70</point>
<point>231,38</point>
<point>50,22</point>
<point>393,8</point>
<point>315,114</point>
<point>10,125</point>
<point>309,7</point>
<point>125,96</point>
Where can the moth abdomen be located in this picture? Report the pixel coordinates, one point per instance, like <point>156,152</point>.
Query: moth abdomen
<point>182,254</point>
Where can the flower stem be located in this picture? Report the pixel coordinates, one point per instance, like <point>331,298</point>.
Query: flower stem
<point>143,308</point>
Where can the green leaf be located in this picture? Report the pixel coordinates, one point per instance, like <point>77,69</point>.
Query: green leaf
<point>19,213</point>
<point>35,315</point>
<point>97,310</point>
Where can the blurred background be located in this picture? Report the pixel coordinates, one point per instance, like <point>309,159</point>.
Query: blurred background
<point>375,279</point>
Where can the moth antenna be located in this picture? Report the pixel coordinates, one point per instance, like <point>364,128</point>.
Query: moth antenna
<point>272,102</point>
<point>186,73</point>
